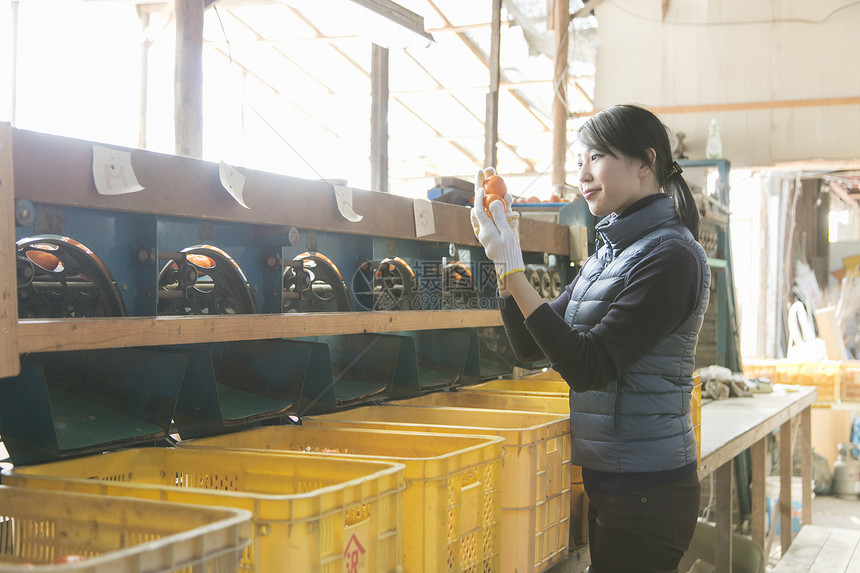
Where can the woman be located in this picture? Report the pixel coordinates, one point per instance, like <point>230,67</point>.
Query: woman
<point>623,335</point>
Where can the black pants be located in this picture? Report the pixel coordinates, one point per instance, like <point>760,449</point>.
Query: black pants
<point>642,531</point>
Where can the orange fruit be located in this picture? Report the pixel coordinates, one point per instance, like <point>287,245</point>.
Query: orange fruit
<point>495,189</point>
<point>45,260</point>
<point>495,185</point>
<point>200,260</point>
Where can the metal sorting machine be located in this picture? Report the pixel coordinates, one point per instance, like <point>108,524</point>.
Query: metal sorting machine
<point>150,301</point>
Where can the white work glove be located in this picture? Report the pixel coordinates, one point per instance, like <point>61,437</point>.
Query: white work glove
<point>500,234</point>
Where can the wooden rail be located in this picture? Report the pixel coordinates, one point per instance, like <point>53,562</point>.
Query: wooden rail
<point>84,333</point>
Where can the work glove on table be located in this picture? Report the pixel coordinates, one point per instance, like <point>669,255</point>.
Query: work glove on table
<point>499,233</point>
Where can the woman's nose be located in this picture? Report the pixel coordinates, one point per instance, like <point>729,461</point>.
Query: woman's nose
<point>583,175</point>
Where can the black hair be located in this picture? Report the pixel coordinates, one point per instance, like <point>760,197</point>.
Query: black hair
<point>632,130</point>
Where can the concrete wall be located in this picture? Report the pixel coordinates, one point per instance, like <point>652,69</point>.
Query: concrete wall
<point>715,52</point>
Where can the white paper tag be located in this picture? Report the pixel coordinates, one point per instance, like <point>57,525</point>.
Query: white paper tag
<point>423,211</point>
<point>233,182</point>
<point>343,196</point>
<point>112,172</point>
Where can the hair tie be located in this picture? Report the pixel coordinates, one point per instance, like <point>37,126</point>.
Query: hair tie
<point>674,169</point>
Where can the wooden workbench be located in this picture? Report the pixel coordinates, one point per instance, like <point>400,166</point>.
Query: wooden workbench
<point>728,428</point>
<point>731,426</point>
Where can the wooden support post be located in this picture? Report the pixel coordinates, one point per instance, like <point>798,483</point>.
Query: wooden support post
<point>804,442</point>
<point>379,119</point>
<point>188,78</point>
<point>784,513</point>
<point>14,87</point>
<point>723,538</point>
<point>491,125</point>
<point>10,364</point>
<point>559,100</point>
<point>144,15</point>
<point>759,469</point>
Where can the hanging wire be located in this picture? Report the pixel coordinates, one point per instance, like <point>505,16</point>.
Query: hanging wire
<point>224,33</point>
<point>287,143</point>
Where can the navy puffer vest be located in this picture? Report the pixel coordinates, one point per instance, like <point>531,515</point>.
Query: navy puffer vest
<point>642,421</point>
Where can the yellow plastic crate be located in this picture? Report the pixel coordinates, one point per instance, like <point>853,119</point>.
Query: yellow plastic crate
<point>550,404</point>
<point>850,374</point>
<point>535,469</point>
<point>554,404</point>
<point>760,368</point>
<point>522,386</point>
<point>310,513</point>
<point>116,534</point>
<point>827,375</point>
<point>452,501</point>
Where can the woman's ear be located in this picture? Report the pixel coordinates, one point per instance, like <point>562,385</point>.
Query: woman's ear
<point>652,158</point>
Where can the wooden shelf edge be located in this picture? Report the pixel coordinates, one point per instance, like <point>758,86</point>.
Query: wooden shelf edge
<point>86,333</point>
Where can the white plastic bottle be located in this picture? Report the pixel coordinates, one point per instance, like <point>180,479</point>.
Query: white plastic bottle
<point>714,147</point>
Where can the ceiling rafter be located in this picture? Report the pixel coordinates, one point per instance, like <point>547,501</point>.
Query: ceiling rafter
<point>329,90</point>
<point>505,85</point>
<point>482,57</point>
<point>587,8</point>
<point>844,194</point>
<point>507,145</point>
<point>299,108</point>
<point>309,75</point>
<point>436,132</point>
<point>439,132</point>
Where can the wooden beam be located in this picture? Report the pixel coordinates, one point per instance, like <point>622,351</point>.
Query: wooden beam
<point>473,47</point>
<point>14,80</point>
<point>503,85</point>
<point>843,194</point>
<point>559,101</point>
<point>491,124</point>
<point>743,106</point>
<point>143,14</point>
<point>188,78</point>
<point>398,14</point>
<point>379,118</point>
<point>9,362</point>
<point>586,9</point>
<point>186,187</point>
<point>81,334</point>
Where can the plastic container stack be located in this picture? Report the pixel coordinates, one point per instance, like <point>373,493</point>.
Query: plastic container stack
<point>535,484</point>
<point>835,379</point>
<point>452,501</point>
<point>310,514</point>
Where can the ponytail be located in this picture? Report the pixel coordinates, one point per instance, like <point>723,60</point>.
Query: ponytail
<point>676,187</point>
